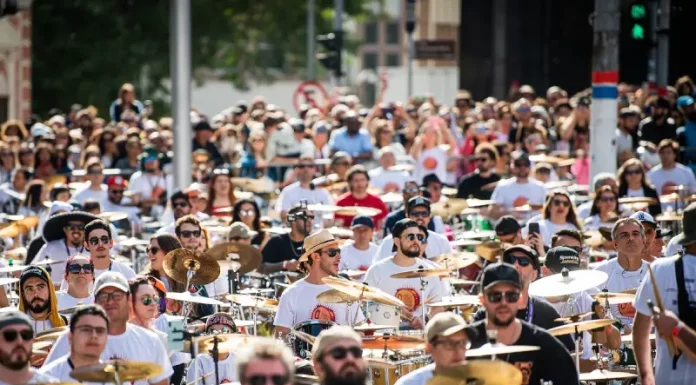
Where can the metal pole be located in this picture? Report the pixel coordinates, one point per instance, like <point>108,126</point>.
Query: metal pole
<point>499,47</point>
<point>605,76</point>
<point>652,57</point>
<point>663,43</point>
<point>410,27</point>
<point>311,61</point>
<point>338,26</point>
<point>180,63</point>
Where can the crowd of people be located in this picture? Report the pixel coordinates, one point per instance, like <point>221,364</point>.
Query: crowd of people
<point>388,196</point>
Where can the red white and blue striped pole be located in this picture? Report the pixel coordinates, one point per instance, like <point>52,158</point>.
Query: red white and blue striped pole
<point>603,122</point>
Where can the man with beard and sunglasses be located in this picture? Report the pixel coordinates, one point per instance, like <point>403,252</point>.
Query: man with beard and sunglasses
<point>17,336</point>
<point>79,275</point>
<point>501,287</point>
<point>38,299</point>
<point>265,361</point>
<point>338,357</point>
<point>410,190</point>
<point>408,238</point>
<point>471,186</point>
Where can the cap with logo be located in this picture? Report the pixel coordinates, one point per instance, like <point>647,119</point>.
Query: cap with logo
<point>526,250</point>
<point>116,181</point>
<point>500,273</point>
<point>418,201</point>
<point>643,217</point>
<point>561,257</point>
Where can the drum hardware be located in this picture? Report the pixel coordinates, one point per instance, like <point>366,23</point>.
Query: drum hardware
<point>116,371</point>
<point>479,372</point>
<point>576,328</point>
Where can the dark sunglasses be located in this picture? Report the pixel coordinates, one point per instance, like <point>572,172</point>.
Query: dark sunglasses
<point>607,199</point>
<point>75,268</point>
<point>189,234</point>
<point>522,164</point>
<point>339,353</point>
<point>412,190</point>
<point>413,237</point>
<point>419,214</point>
<point>482,159</point>
<point>152,250</point>
<point>94,172</point>
<point>116,192</point>
<point>72,226</point>
<point>179,204</point>
<point>558,202</point>
<point>633,172</point>
<point>497,296</point>
<point>342,164</point>
<point>332,252</point>
<point>522,261</point>
<point>149,300</point>
<point>11,335</point>
<point>578,249</point>
<point>263,380</point>
<point>96,240</point>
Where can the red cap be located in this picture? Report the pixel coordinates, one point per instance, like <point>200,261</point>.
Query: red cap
<point>117,181</point>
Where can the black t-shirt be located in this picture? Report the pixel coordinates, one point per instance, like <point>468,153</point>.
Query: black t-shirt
<point>551,363</point>
<point>281,248</point>
<point>470,186</point>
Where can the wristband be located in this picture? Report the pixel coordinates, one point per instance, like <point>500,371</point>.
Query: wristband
<point>677,329</point>
<point>285,265</point>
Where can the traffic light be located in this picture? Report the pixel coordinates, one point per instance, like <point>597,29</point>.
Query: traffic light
<point>639,20</point>
<point>331,59</point>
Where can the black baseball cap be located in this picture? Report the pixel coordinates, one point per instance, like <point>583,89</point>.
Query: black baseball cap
<point>418,201</point>
<point>362,220</point>
<point>500,272</point>
<point>431,178</point>
<point>506,225</point>
<point>400,227</point>
<point>561,257</point>
<point>526,250</point>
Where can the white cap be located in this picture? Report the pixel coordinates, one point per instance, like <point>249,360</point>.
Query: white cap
<point>642,216</point>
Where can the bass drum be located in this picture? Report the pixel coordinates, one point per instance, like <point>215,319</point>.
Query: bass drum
<point>384,314</point>
<point>312,327</point>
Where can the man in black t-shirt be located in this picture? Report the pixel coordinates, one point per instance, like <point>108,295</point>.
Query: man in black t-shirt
<point>283,250</point>
<point>471,186</point>
<point>501,286</point>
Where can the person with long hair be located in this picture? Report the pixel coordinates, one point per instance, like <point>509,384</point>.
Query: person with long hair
<point>107,146</point>
<point>33,201</point>
<point>254,162</point>
<point>247,212</point>
<point>633,182</point>
<point>160,245</point>
<point>430,156</point>
<point>25,155</point>
<point>605,207</point>
<point>557,214</point>
<point>220,193</point>
<point>44,161</point>
<point>133,149</point>
<point>7,162</point>
<point>126,101</point>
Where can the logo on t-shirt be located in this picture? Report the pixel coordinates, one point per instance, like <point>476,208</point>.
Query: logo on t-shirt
<point>526,369</point>
<point>409,296</point>
<point>666,188</point>
<point>323,313</point>
<point>430,163</point>
<point>519,201</point>
<point>391,187</point>
<point>627,309</point>
<point>226,381</point>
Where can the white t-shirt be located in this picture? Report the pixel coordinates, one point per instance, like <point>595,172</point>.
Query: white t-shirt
<point>417,377</point>
<point>60,369</point>
<point>352,258</point>
<point>87,193</point>
<point>620,280</point>
<point>672,247</point>
<point>548,229</point>
<point>40,326</point>
<point>583,211</point>
<point>144,184</point>
<point>227,370</point>
<point>666,279</point>
<point>58,251</point>
<point>635,193</point>
<point>66,301</point>
<point>431,161</point>
<point>594,223</point>
<point>299,303</point>
<point>510,194</point>
<point>294,193</point>
<point>582,303</point>
<point>679,175</point>
<point>437,245</point>
<point>406,289</point>
<point>624,141</point>
<point>36,378</point>
<point>136,344</point>
<point>383,179</point>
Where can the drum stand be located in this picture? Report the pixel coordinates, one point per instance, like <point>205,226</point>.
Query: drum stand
<point>216,357</point>
<point>423,283</point>
<point>117,379</point>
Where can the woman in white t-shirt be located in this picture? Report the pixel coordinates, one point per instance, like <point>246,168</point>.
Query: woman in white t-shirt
<point>604,209</point>
<point>634,183</point>
<point>428,150</point>
<point>558,214</point>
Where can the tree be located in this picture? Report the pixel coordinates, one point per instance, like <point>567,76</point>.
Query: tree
<point>84,50</point>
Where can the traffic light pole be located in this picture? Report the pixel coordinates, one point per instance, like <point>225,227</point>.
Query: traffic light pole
<point>311,61</point>
<point>663,43</point>
<point>338,27</point>
<point>605,76</point>
<point>180,62</point>
<point>410,27</point>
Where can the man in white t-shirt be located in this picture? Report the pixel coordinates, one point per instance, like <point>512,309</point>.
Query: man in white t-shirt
<point>383,177</point>
<point>299,302</point>
<point>38,299</point>
<point>78,277</point>
<point>95,188</point>
<point>517,191</point>
<point>599,180</point>
<point>87,338</point>
<point>358,254</point>
<point>669,173</point>
<point>17,336</point>
<point>98,242</point>
<point>627,270</point>
<point>418,210</point>
<point>218,323</point>
<point>303,190</point>
<point>126,341</point>
<point>675,278</point>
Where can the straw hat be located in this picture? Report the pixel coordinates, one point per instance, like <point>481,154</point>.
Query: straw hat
<point>317,241</point>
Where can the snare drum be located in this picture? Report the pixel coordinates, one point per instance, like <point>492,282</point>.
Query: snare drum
<point>390,376</point>
<point>255,280</point>
<point>384,315</point>
<point>313,328</point>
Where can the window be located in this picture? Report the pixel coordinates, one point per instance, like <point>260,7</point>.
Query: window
<point>369,60</point>
<point>371,32</point>
<point>393,60</point>
<point>392,33</point>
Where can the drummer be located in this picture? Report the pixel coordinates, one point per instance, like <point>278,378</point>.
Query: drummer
<point>357,255</point>
<point>78,277</point>
<point>408,244</point>
<point>299,302</point>
<point>508,230</point>
<point>38,299</point>
<point>17,340</point>
<point>410,190</point>
<point>283,250</point>
<point>338,357</point>
<point>302,190</point>
<point>218,323</point>
<point>650,227</point>
<point>501,286</point>
<point>88,333</point>
<point>517,191</point>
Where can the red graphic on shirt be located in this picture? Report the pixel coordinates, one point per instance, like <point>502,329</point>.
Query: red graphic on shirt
<point>666,187</point>
<point>409,296</point>
<point>627,309</point>
<point>526,369</point>
<point>391,187</point>
<point>226,381</point>
<point>519,201</point>
<point>430,163</point>
<point>323,313</point>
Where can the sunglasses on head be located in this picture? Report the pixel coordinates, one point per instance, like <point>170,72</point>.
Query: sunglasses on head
<point>419,214</point>
<point>152,250</point>
<point>522,261</point>
<point>73,226</point>
<point>75,268</point>
<point>340,353</point>
<point>413,237</point>
<point>189,234</point>
<point>96,240</point>
<point>180,204</point>
<point>560,202</point>
<point>497,296</point>
<point>11,335</point>
<point>275,379</point>
<point>332,252</point>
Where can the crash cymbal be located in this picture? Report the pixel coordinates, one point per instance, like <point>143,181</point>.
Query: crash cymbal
<point>354,273</point>
<point>471,211</point>
<point>580,326</point>
<point>637,201</point>
<point>59,329</point>
<point>449,207</point>
<point>574,317</point>
<point>479,372</point>
<point>628,338</point>
<point>123,370</point>
<point>482,234</point>
<point>392,342</point>
<point>341,232</point>
<point>259,186</point>
<point>227,343</point>
<point>614,298</point>
<point>113,216</point>
<point>465,242</point>
<point>543,158</point>
<point>630,291</point>
<point>477,203</point>
<point>41,345</point>
<point>421,272</point>
<point>358,210</point>
<point>7,281</point>
<point>459,300</point>
<point>601,375</point>
<point>194,298</point>
<point>327,181</point>
<point>557,184</point>
<point>277,230</point>
<point>336,296</point>
<point>358,290</point>
<point>490,250</point>
<point>254,291</point>
<point>46,262</point>
<point>372,327</point>
<point>670,217</point>
<point>670,198</point>
<point>247,257</point>
<point>402,167</point>
<point>132,242</point>
<point>391,197</point>
<point>448,191</point>
<point>11,269</point>
<point>178,262</point>
<point>246,300</point>
<point>13,230</point>
<point>455,261</point>
<point>461,282</point>
<point>567,283</point>
<point>281,285</point>
<point>498,348</point>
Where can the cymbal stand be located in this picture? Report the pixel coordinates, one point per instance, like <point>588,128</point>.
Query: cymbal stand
<point>578,337</point>
<point>189,276</point>
<point>357,311</point>
<point>255,314</point>
<point>423,283</point>
<point>117,379</point>
<point>492,335</point>
<point>216,358</point>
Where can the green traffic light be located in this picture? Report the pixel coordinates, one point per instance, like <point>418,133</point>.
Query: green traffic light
<point>638,32</point>
<point>638,11</point>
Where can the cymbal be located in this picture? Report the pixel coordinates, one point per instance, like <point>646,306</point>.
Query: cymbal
<point>490,250</point>
<point>259,186</point>
<point>250,300</point>
<point>354,273</point>
<point>29,222</point>
<point>482,234</point>
<point>593,238</point>
<point>11,269</point>
<point>629,338</point>
<point>177,263</point>
<point>402,167</point>
<point>132,242</point>
<point>580,326</point>
<point>11,217</point>
<point>465,242</point>
<point>341,232</point>
<point>557,184</point>
<point>227,343</point>
<point>630,291</point>
<point>322,208</point>
<point>59,329</point>
<point>371,327</point>
<point>471,211</point>
<point>614,298</point>
<point>392,197</point>
<point>46,262</point>
<point>449,207</point>
<point>543,158</point>
<point>41,345</point>
<point>282,285</point>
<point>605,375</point>
<point>421,272</point>
<point>484,372</point>
<point>18,253</point>
<point>560,284</point>
<point>113,216</point>
<point>670,198</point>
<point>527,208</point>
<point>574,317</point>
<point>392,342</point>
<point>455,261</point>
<point>673,189</point>
<point>328,181</point>
<point>459,300</point>
<point>335,296</point>
<point>476,203</point>
<point>13,230</point>
<point>359,290</point>
<point>637,201</point>
<point>670,217</point>
<point>460,282</point>
<point>305,337</point>
<point>125,371</point>
<point>277,230</point>
<point>253,291</point>
<point>194,298</point>
<point>498,348</point>
<point>448,191</point>
<point>358,210</point>
<point>376,363</point>
<point>248,257</point>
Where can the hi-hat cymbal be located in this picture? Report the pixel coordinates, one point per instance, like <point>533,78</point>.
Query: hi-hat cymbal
<point>109,371</point>
<point>580,326</point>
<point>248,257</point>
<point>358,210</point>
<point>601,375</point>
<point>455,261</point>
<point>113,216</point>
<point>392,342</point>
<point>194,298</point>
<point>565,284</point>
<point>421,272</point>
<point>358,290</point>
<point>18,253</point>
<point>574,317</point>
<point>449,207</point>
<point>498,348</point>
<point>178,262</point>
<point>259,186</point>
<point>456,301</point>
<point>372,327</point>
<point>614,298</point>
<point>392,197</point>
<point>480,372</point>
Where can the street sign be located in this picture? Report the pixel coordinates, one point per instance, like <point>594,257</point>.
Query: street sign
<point>435,50</point>
<point>311,93</point>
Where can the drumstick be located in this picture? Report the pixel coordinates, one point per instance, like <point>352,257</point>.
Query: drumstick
<point>668,339</point>
<point>200,378</point>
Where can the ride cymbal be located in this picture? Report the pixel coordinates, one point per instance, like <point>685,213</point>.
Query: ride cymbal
<point>113,216</point>
<point>372,327</point>
<point>110,370</point>
<point>392,342</point>
<point>194,298</point>
<point>230,254</point>
<point>601,375</point>
<point>449,207</point>
<point>358,290</point>
<point>498,348</point>
<point>259,186</point>
<point>178,262</point>
<point>421,272</point>
<point>567,283</point>
<point>456,301</point>
<point>455,261</point>
<point>480,372</point>
<point>614,298</point>
<point>580,326</point>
